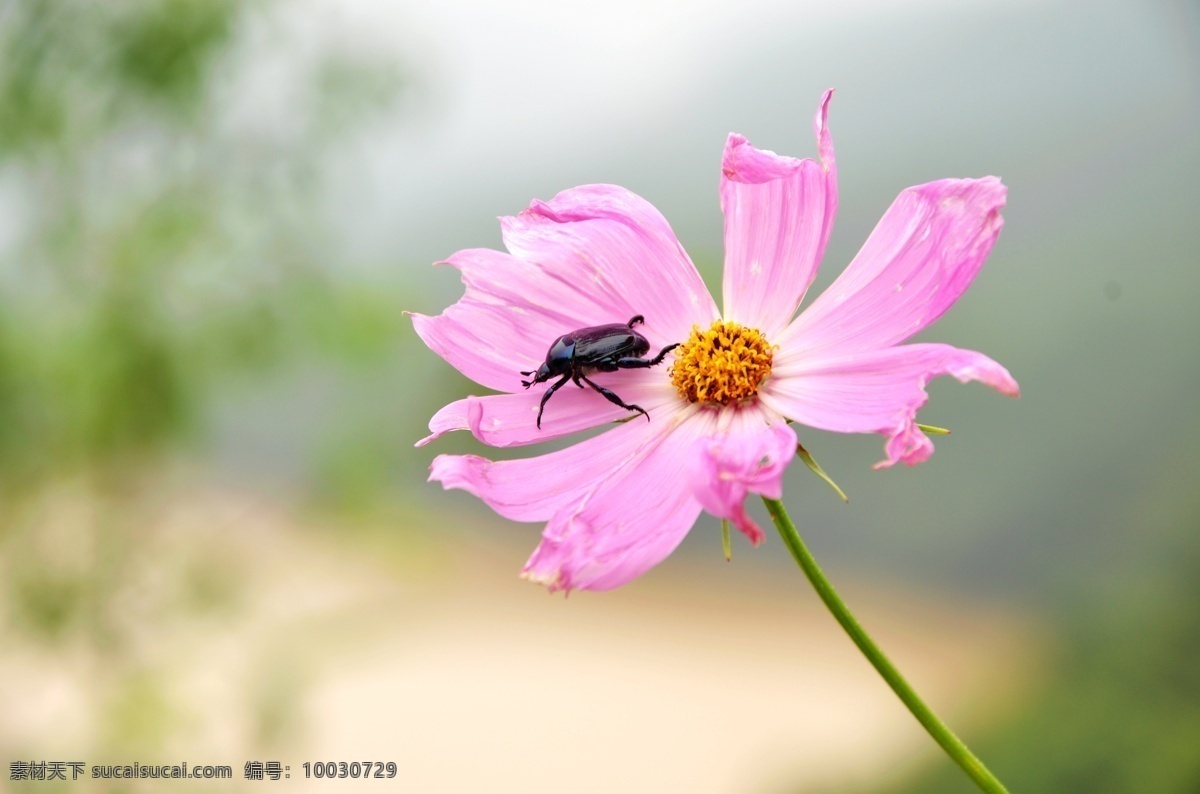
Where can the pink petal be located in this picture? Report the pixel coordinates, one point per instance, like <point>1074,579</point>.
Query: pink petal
<point>534,489</point>
<point>628,521</point>
<point>879,391</point>
<point>920,258</point>
<point>618,255</point>
<point>505,321</point>
<point>778,215</point>
<point>749,456</point>
<point>502,420</point>
<point>617,504</point>
<point>591,256</point>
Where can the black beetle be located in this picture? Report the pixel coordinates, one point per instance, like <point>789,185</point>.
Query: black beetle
<point>597,348</point>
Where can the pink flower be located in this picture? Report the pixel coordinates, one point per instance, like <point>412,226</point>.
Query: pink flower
<point>618,503</point>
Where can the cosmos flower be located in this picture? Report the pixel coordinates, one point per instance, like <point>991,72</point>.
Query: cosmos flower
<point>617,503</point>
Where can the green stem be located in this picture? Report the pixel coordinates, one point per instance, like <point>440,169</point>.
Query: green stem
<point>953,746</point>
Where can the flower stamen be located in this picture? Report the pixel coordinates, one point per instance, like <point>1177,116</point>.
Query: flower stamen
<point>724,364</point>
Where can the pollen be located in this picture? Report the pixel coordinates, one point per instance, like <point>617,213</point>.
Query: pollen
<point>724,364</point>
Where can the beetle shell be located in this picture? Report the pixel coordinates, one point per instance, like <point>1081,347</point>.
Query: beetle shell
<point>603,348</point>
<point>584,349</point>
<point>599,342</point>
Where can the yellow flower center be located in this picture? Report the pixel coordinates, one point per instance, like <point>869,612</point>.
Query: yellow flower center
<point>724,364</point>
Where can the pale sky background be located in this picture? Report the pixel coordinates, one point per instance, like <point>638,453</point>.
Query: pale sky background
<point>523,99</point>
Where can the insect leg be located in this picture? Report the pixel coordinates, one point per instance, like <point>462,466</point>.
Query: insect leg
<point>546,396</point>
<point>613,398</point>
<point>637,319</point>
<point>639,363</point>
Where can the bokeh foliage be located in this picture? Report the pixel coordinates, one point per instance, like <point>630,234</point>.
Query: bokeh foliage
<point>159,247</point>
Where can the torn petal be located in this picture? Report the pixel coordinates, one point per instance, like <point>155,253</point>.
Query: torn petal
<point>750,456</point>
<point>779,212</point>
<point>535,489</point>
<point>879,391</point>
<point>626,521</point>
<point>592,255</point>
<point>507,318</point>
<point>618,253</point>
<point>921,257</point>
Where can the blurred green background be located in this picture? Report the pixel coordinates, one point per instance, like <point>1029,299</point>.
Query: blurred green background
<point>214,526</point>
